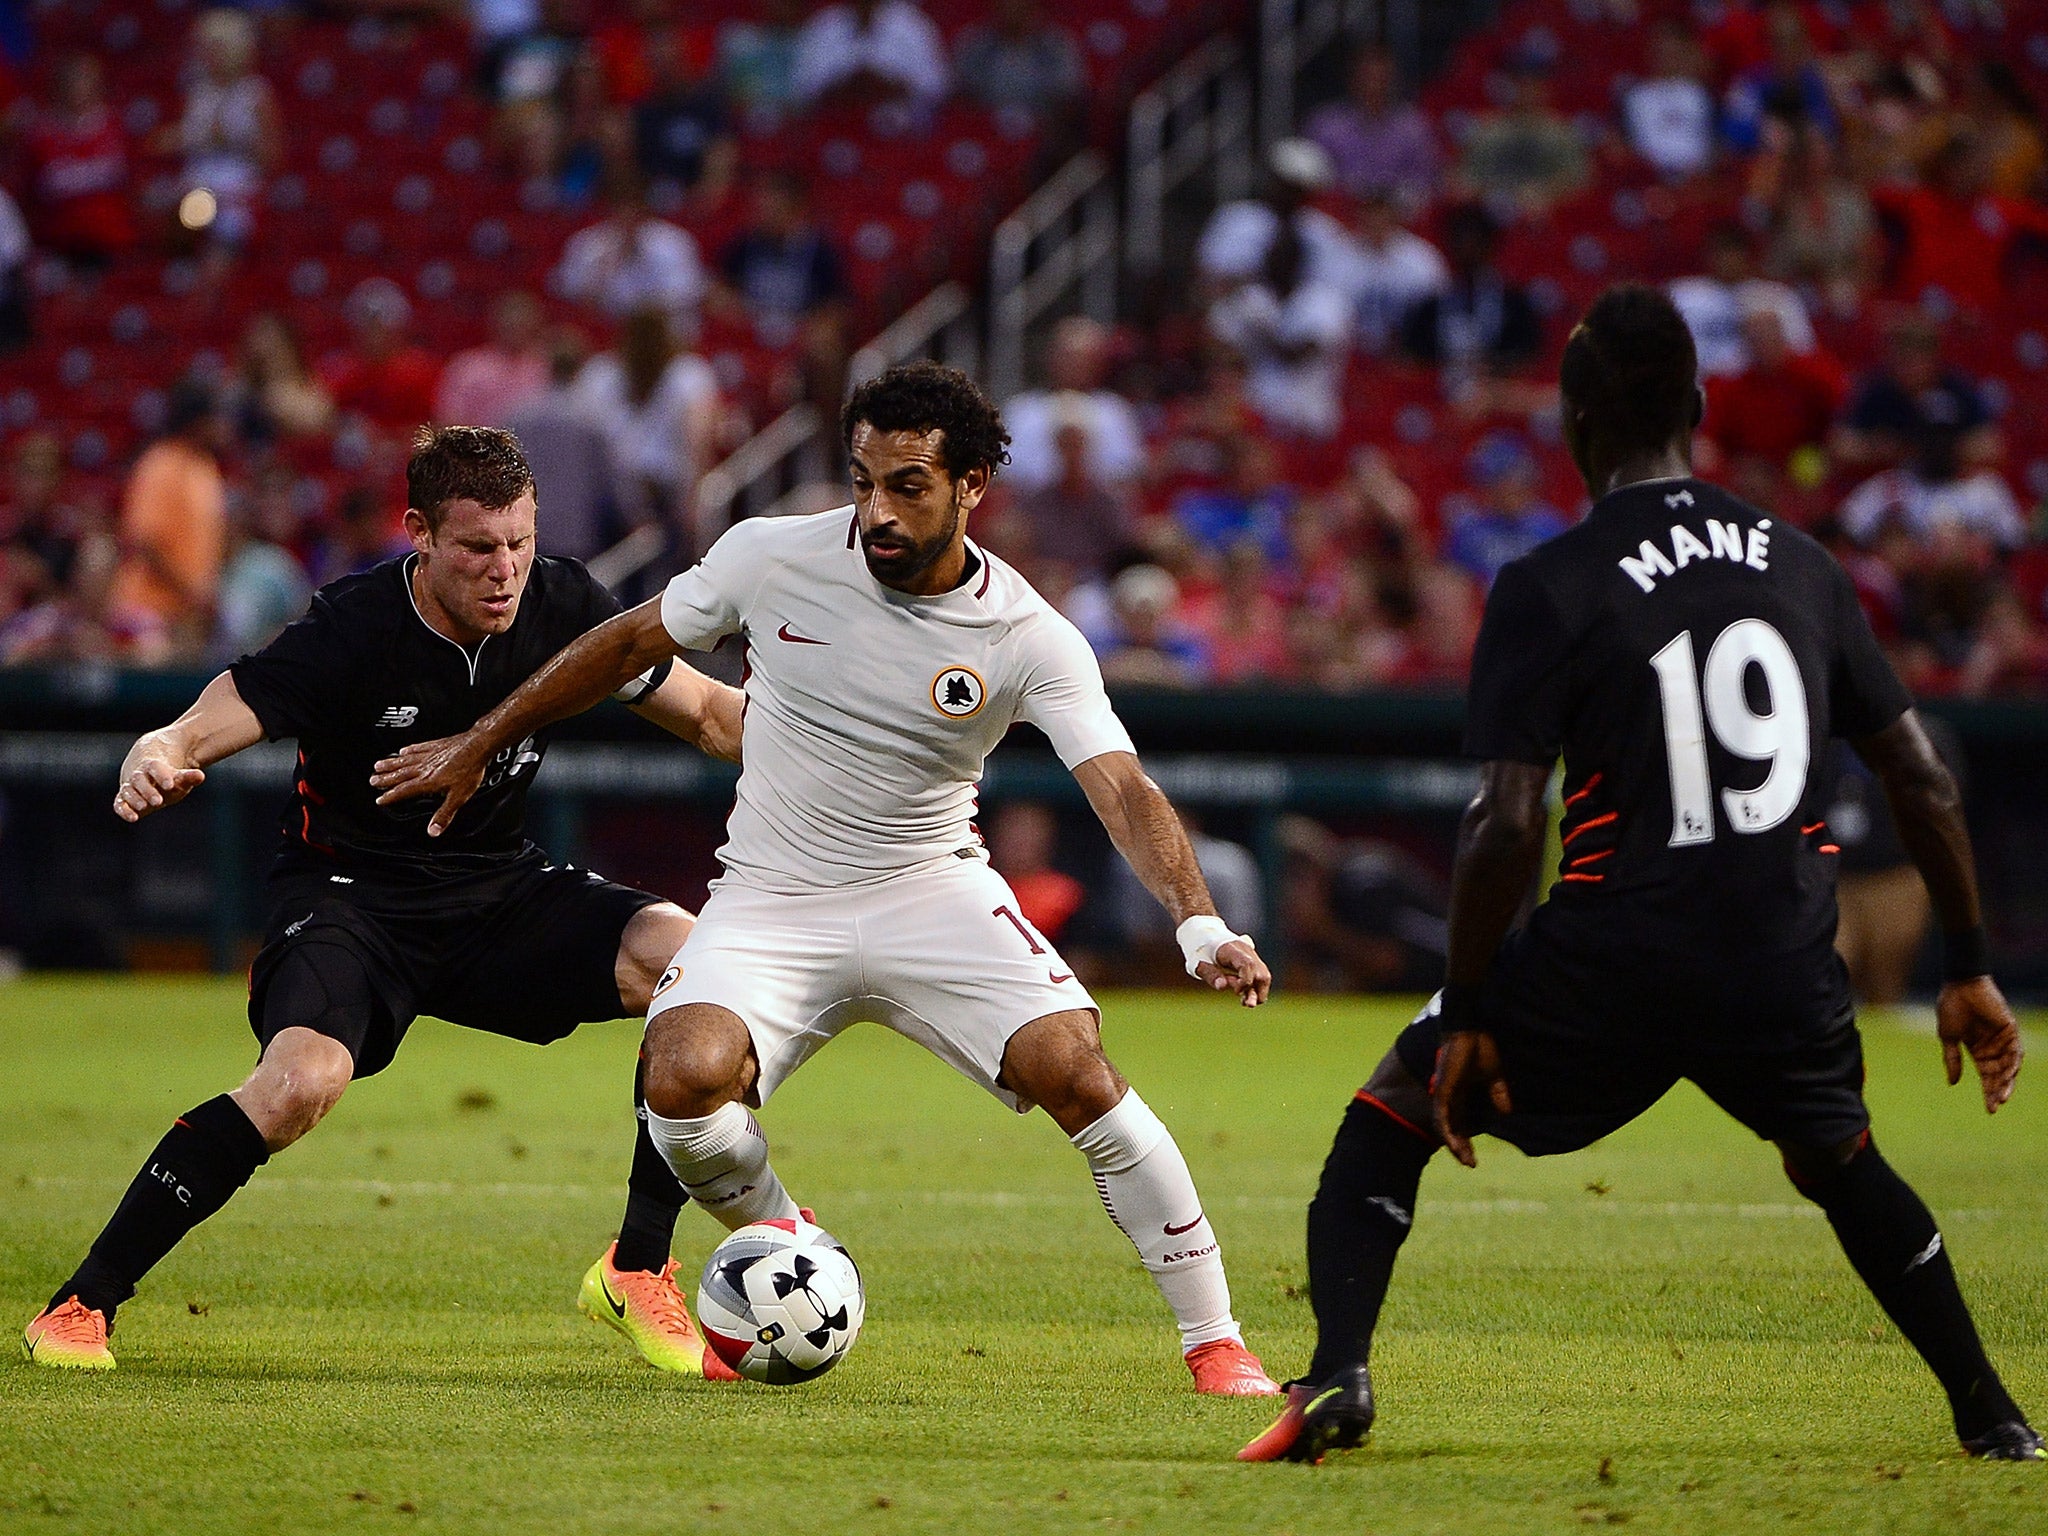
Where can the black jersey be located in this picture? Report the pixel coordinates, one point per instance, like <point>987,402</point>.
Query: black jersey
<point>363,674</point>
<point>1691,659</point>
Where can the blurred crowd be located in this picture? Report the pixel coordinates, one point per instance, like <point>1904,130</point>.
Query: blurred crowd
<point>1308,465</point>
<point>693,292</point>
<point>1303,463</point>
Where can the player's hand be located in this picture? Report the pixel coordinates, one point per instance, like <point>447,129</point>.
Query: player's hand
<point>1467,1070</point>
<point>150,784</point>
<point>1973,1015</point>
<point>1237,968</point>
<point>452,768</point>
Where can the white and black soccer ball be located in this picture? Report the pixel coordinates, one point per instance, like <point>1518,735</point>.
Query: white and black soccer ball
<point>781,1301</point>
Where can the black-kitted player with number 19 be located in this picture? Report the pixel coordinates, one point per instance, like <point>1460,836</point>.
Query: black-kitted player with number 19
<point>1689,658</point>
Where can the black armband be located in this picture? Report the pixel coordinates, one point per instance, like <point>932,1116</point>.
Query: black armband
<point>646,683</point>
<point>1458,1006</point>
<point>1966,953</point>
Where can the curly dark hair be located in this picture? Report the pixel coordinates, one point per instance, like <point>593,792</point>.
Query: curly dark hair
<point>1631,367</point>
<point>451,464</point>
<point>930,397</point>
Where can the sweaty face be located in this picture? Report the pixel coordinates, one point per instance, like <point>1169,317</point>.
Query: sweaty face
<point>474,569</point>
<point>913,513</point>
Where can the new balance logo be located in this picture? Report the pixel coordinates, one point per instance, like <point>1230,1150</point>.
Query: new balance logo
<point>399,716</point>
<point>1678,499</point>
<point>1925,1254</point>
<point>1393,1209</point>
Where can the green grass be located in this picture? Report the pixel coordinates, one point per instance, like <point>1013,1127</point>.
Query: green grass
<point>379,1334</point>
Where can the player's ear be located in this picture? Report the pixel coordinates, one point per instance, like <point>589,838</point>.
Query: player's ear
<point>418,530</point>
<point>971,487</point>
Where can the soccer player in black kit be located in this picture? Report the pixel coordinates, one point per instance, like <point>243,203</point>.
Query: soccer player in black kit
<point>369,922</point>
<point>1690,659</point>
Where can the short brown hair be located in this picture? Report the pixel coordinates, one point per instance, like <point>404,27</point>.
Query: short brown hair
<point>451,464</point>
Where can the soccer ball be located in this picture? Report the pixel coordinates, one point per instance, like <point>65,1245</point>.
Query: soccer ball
<point>781,1301</point>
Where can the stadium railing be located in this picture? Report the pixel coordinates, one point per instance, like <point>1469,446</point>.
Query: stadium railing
<point>1062,237</point>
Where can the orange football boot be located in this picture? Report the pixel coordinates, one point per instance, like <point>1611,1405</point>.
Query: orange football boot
<point>1226,1368</point>
<point>69,1337</point>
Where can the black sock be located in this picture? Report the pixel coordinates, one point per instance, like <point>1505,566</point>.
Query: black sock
<point>206,1156</point>
<point>1356,1225</point>
<point>1891,1239</point>
<point>654,1197</point>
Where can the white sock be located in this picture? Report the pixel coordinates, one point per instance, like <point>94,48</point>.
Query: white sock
<point>1145,1187</point>
<point>722,1160</point>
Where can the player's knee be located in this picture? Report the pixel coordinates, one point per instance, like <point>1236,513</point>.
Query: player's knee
<point>695,1059</point>
<point>1814,1170</point>
<point>1395,1092</point>
<point>302,1076</point>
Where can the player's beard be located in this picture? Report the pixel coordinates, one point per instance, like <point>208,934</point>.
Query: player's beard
<point>905,565</point>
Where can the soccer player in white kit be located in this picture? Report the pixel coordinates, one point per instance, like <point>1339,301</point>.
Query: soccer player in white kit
<point>887,656</point>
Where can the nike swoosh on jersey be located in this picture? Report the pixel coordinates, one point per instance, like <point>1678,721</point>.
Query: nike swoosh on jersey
<point>1173,1231</point>
<point>786,633</point>
<point>1055,978</point>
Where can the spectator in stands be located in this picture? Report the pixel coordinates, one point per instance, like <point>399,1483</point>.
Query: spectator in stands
<point>1917,405</point>
<point>631,259</point>
<point>1150,649</point>
<point>486,386</point>
<point>1393,270</point>
<point>570,454</point>
<point>658,406</point>
<point>172,532</point>
<point>273,394</point>
<point>679,125</point>
<point>495,26</point>
<point>782,270</point>
<point>1295,338</point>
<point>57,556</point>
<point>1773,418</point>
<point>76,170</point>
<point>365,534</point>
<point>230,133</point>
<point>1434,648</point>
<point>1958,234</point>
<point>1021,62</point>
<point>1954,513</point>
<point>1503,516</point>
<point>1147,931</point>
<point>2003,118</point>
<point>864,52</point>
<point>757,59</point>
<point>1022,839</point>
<point>1527,155</point>
<point>593,134</point>
<point>1360,915</point>
<point>262,585</point>
<point>1238,235</point>
<point>1822,228</point>
<point>1077,362</point>
<point>1786,88</point>
<point>382,377</point>
<point>1076,518</point>
<point>1252,502</point>
<point>1481,324</point>
<point>1715,303</point>
<point>1242,624</point>
<point>1378,144</point>
<point>1669,113</point>
<point>627,46</point>
<point>16,322</point>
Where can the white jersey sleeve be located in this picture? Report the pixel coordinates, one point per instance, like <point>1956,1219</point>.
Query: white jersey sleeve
<point>710,600</point>
<point>1062,694</point>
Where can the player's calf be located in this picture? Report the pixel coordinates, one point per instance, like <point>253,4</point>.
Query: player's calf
<point>699,1062</point>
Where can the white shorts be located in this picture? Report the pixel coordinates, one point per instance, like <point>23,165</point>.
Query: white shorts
<point>941,955</point>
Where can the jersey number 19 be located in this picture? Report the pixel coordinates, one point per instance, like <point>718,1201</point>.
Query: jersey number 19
<point>1778,736</point>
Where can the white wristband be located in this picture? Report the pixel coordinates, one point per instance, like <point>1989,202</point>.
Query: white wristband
<point>1201,937</point>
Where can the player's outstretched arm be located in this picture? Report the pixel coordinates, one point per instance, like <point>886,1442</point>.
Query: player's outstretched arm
<point>166,765</point>
<point>585,672</point>
<point>1142,823</point>
<point>1500,843</point>
<point>701,710</point>
<point>1971,1013</point>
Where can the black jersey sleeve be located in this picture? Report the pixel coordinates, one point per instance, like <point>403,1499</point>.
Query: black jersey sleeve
<point>1864,693</point>
<point>294,681</point>
<point>1515,707</point>
<point>588,603</point>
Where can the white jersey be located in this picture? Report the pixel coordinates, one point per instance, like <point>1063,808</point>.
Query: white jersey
<point>869,711</point>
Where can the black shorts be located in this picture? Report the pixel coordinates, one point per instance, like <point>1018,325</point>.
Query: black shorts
<point>528,951</point>
<point>1579,1069</point>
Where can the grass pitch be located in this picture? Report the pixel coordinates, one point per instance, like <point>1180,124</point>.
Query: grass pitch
<point>380,1334</point>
